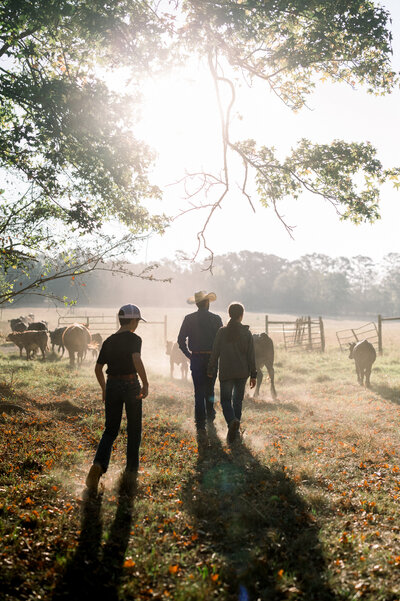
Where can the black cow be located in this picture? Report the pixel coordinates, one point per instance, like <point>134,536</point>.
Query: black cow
<point>264,351</point>
<point>56,339</point>
<point>364,356</point>
<point>39,326</point>
<point>17,325</point>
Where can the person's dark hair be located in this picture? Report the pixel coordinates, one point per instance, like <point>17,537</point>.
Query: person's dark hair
<point>204,304</point>
<point>235,311</point>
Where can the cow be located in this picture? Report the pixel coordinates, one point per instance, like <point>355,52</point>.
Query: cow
<point>176,356</point>
<point>76,339</point>
<point>38,325</point>
<point>56,339</point>
<point>364,356</point>
<point>264,352</point>
<point>95,345</point>
<point>30,340</point>
<point>17,325</point>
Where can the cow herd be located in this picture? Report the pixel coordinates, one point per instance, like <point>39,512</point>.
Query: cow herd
<point>32,336</point>
<point>362,352</point>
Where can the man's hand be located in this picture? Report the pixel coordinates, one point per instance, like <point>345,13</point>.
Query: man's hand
<point>253,382</point>
<point>103,394</point>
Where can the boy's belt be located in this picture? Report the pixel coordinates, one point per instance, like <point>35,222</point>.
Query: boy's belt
<point>122,377</point>
<point>201,352</point>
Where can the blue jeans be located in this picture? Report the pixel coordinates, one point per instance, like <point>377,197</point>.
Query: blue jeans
<point>232,393</point>
<point>203,390</point>
<point>118,394</point>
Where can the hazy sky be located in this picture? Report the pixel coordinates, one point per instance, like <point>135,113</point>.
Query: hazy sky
<point>182,123</point>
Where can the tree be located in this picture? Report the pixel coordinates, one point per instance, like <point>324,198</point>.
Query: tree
<point>69,140</point>
<point>291,45</point>
<point>67,148</point>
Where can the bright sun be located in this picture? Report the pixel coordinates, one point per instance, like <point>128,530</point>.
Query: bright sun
<point>181,121</point>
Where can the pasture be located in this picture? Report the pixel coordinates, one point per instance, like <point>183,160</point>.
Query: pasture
<point>306,507</point>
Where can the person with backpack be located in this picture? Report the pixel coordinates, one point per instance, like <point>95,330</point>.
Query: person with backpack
<point>233,354</point>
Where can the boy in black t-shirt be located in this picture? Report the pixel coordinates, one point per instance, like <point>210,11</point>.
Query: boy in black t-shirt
<point>121,353</point>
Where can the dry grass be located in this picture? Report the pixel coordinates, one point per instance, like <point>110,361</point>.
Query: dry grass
<point>306,507</point>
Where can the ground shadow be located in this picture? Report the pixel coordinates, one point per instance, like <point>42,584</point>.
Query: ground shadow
<point>255,519</point>
<point>387,393</point>
<point>260,405</point>
<point>95,570</point>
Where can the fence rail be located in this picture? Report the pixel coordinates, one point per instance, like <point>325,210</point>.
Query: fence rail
<point>303,333</point>
<point>105,324</point>
<point>367,331</point>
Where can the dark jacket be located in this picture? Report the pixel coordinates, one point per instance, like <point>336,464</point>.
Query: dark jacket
<point>198,331</point>
<point>236,357</point>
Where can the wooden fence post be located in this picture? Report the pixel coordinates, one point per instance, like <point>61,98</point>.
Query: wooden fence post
<point>266,324</point>
<point>322,334</point>
<point>380,350</point>
<point>309,333</point>
<point>165,327</point>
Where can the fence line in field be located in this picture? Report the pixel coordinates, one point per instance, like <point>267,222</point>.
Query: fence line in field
<point>104,324</point>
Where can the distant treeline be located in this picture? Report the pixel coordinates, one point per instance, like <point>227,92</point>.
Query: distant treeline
<point>314,284</point>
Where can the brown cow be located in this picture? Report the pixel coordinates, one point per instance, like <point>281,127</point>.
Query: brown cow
<point>364,356</point>
<point>76,339</point>
<point>176,356</point>
<point>30,340</point>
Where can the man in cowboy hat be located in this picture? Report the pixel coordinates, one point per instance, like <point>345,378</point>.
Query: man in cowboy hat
<point>195,339</point>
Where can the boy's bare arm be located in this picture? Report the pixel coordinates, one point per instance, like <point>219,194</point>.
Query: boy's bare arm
<point>98,370</point>
<point>138,363</point>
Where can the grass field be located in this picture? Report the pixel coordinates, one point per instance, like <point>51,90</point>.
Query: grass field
<point>306,507</point>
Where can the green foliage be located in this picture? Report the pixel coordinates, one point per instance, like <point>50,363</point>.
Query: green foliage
<point>68,148</point>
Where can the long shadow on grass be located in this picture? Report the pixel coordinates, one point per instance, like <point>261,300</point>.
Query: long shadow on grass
<point>387,393</point>
<point>262,406</point>
<point>95,570</point>
<point>255,520</point>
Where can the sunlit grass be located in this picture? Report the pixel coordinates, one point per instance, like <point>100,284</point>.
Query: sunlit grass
<point>305,508</point>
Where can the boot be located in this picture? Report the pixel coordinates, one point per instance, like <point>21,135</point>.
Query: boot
<point>93,477</point>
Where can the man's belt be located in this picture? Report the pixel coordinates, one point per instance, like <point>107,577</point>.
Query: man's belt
<point>201,352</point>
<point>122,377</point>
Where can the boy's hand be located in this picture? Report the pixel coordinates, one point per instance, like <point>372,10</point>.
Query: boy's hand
<point>103,394</point>
<point>253,382</point>
<point>144,391</point>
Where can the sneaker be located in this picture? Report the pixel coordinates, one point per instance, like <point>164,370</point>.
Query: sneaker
<point>93,477</point>
<point>233,430</point>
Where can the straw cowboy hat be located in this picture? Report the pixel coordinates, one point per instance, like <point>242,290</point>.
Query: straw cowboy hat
<point>200,296</point>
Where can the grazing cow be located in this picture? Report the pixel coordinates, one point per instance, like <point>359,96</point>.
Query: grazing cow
<point>264,351</point>
<point>76,339</point>
<point>176,356</point>
<point>56,339</point>
<point>30,340</point>
<point>38,325</point>
<point>18,325</point>
<point>364,356</point>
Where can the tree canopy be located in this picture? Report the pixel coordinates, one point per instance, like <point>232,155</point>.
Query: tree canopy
<point>71,161</point>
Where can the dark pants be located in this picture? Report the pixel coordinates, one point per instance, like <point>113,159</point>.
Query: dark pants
<point>203,390</point>
<point>118,394</point>
<point>232,393</point>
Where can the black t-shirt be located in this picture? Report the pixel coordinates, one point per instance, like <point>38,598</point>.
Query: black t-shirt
<point>117,351</point>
